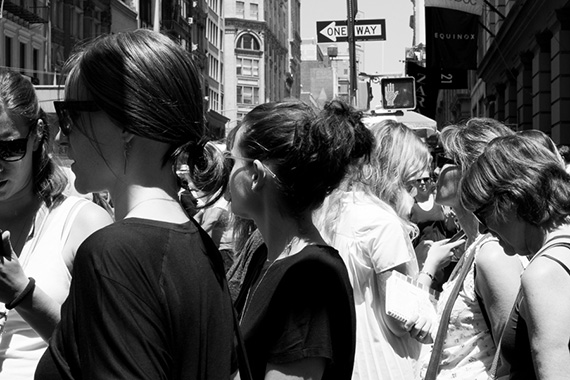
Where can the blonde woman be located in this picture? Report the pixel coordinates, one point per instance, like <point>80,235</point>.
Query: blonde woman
<point>367,220</point>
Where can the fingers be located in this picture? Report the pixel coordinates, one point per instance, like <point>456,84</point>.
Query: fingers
<point>420,331</point>
<point>5,245</point>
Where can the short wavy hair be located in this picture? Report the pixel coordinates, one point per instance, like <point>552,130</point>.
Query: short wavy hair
<point>516,172</point>
<point>465,142</point>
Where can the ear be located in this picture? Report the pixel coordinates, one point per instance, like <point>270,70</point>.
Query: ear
<point>258,176</point>
<point>38,135</point>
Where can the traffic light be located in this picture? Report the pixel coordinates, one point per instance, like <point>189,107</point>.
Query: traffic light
<point>398,93</point>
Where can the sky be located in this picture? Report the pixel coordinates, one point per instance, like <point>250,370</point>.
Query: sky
<point>380,57</point>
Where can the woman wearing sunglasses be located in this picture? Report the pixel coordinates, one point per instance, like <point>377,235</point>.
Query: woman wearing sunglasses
<point>42,229</point>
<point>298,311</point>
<point>520,192</point>
<point>486,279</point>
<point>148,297</point>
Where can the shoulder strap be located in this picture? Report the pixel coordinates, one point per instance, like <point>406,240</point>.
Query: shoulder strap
<point>555,259</point>
<point>433,366</point>
<point>497,358</point>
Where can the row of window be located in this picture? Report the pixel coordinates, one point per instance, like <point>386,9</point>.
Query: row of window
<point>214,34</point>
<point>253,10</point>
<point>215,67</point>
<point>247,67</point>
<point>10,57</point>
<point>247,95</point>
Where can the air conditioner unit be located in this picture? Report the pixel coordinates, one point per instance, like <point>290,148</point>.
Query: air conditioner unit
<point>190,20</point>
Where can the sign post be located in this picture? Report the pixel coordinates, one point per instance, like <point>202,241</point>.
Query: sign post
<point>352,9</point>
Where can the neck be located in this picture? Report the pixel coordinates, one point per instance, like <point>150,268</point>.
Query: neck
<point>147,202</point>
<point>22,203</point>
<point>468,223</point>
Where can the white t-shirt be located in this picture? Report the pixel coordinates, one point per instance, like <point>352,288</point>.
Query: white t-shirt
<point>371,240</point>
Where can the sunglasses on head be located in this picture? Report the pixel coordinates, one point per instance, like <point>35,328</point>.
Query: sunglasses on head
<point>68,111</point>
<point>14,150</point>
<point>232,159</point>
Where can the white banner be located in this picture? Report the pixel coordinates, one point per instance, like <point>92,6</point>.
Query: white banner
<point>470,6</point>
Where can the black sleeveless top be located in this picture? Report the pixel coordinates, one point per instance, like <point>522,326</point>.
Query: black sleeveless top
<point>515,343</point>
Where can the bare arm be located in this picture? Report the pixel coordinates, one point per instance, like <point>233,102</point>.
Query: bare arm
<point>546,310</point>
<point>497,282</point>
<point>39,309</point>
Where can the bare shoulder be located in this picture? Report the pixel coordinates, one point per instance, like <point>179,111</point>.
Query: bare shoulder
<point>545,272</point>
<point>491,257</point>
<point>89,219</point>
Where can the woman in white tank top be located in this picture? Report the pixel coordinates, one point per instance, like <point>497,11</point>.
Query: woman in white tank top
<point>41,227</point>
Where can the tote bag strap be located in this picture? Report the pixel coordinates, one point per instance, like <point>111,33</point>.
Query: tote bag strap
<point>433,366</point>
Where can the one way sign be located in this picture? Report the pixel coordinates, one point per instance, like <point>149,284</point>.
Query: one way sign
<point>337,31</point>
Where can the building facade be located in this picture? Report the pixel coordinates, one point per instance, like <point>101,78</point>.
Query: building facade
<point>261,54</point>
<point>523,76</point>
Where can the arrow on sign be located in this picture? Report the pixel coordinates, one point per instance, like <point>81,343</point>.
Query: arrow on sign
<point>331,31</point>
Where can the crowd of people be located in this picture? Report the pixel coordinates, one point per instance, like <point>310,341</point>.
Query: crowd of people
<point>274,256</point>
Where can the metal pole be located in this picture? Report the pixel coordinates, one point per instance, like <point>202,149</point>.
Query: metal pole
<point>352,8</point>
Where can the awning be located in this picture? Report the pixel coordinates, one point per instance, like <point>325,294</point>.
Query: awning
<point>411,119</point>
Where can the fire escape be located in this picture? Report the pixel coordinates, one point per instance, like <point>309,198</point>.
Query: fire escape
<point>30,12</point>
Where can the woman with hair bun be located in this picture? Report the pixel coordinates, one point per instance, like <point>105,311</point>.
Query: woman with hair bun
<point>298,311</point>
<point>148,298</point>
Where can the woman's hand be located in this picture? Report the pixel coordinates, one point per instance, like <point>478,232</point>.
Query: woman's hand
<point>439,254</point>
<point>423,326</point>
<point>12,277</point>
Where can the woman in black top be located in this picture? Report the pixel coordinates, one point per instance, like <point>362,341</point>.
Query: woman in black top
<point>148,298</point>
<point>297,311</point>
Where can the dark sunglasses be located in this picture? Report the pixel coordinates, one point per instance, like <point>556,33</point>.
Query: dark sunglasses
<point>68,111</point>
<point>479,215</point>
<point>14,150</point>
<point>442,160</point>
<point>424,181</point>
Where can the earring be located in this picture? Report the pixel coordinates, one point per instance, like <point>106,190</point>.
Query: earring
<point>126,148</point>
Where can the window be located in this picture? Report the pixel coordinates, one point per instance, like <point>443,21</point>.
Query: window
<point>247,95</point>
<point>240,9</point>
<point>247,67</point>
<point>248,42</point>
<point>7,51</point>
<point>35,61</point>
<point>22,55</point>
<point>254,11</point>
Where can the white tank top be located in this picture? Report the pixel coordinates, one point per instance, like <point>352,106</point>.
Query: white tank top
<point>20,346</point>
